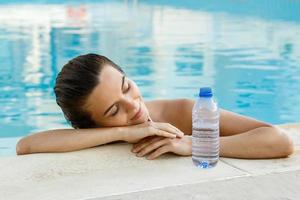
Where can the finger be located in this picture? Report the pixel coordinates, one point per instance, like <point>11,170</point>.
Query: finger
<point>158,152</point>
<point>175,130</point>
<point>173,127</point>
<point>169,128</point>
<point>143,140</point>
<point>181,133</point>
<point>152,146</point>
<point>141,145</point>
<point>163,133</point>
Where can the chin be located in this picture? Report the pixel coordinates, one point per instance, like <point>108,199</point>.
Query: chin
<point>143,119</point>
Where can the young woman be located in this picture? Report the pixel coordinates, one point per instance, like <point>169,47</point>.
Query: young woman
<point>104,105</point>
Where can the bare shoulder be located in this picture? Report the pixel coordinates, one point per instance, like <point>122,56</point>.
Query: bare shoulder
<point>178,112</point>
<point>157,108</point>
<point>163,109</point>
<point>230,123</point>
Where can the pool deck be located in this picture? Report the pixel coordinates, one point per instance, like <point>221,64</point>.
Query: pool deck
<point>113,172</point>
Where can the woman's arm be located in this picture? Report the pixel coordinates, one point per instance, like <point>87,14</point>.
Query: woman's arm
<point>263,142</point>
<point>241,136</point>
<point>246,137</point>
<point>64,140</point>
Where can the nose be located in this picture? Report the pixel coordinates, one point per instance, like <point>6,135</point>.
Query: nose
<point>130,103</point>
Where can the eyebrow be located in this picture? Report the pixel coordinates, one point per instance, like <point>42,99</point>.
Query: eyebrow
<point>108,109</point>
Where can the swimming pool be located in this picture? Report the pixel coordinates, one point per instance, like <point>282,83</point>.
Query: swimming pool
<point>248,51</point>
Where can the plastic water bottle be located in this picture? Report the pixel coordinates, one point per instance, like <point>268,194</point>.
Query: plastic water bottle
<point>205,136</point>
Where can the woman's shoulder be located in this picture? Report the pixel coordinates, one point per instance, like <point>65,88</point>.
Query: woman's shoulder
<point>166,102</point>
<point>174,111</point>
<point>169,103</point>
<point>155,108</point>
<point>161,104</point>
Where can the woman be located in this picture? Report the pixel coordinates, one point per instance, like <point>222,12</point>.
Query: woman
<point>103,105</point>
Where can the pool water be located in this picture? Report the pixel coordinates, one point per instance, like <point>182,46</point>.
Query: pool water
<point>248,51</point>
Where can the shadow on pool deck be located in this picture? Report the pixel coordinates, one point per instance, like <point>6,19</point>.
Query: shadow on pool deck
<point>113,172</point>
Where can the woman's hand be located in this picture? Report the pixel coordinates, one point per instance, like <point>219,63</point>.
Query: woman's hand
<point>157,146</point>
<point>137,132</point>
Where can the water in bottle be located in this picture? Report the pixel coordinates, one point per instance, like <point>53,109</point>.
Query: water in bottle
<point>205,136</point>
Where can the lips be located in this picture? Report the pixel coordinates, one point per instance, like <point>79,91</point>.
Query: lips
<point>138,114</point>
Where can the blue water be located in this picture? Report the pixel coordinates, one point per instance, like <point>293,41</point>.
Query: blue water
<point>248,51</point>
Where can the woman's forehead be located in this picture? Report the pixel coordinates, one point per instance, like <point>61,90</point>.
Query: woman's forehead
<point>108,74</point>
<point>110,82</point>
<point>106,92</point>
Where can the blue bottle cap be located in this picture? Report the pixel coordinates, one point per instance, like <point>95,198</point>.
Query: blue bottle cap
<point>205,92</point>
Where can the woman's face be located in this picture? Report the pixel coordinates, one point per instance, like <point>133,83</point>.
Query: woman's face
<point>116,100</point>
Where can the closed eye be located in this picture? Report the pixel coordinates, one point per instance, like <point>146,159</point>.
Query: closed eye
<point>116,112</point>
<point>128,88</point>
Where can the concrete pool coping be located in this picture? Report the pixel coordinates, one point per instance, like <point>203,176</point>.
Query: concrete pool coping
<point>113,172</point>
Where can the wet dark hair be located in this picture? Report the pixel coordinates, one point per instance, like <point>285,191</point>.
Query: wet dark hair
<point>75,83</point>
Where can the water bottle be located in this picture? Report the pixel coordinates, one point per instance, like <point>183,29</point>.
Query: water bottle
<point>205,135</point>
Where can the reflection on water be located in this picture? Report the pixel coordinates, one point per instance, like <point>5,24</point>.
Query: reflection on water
<point>251,59</point>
